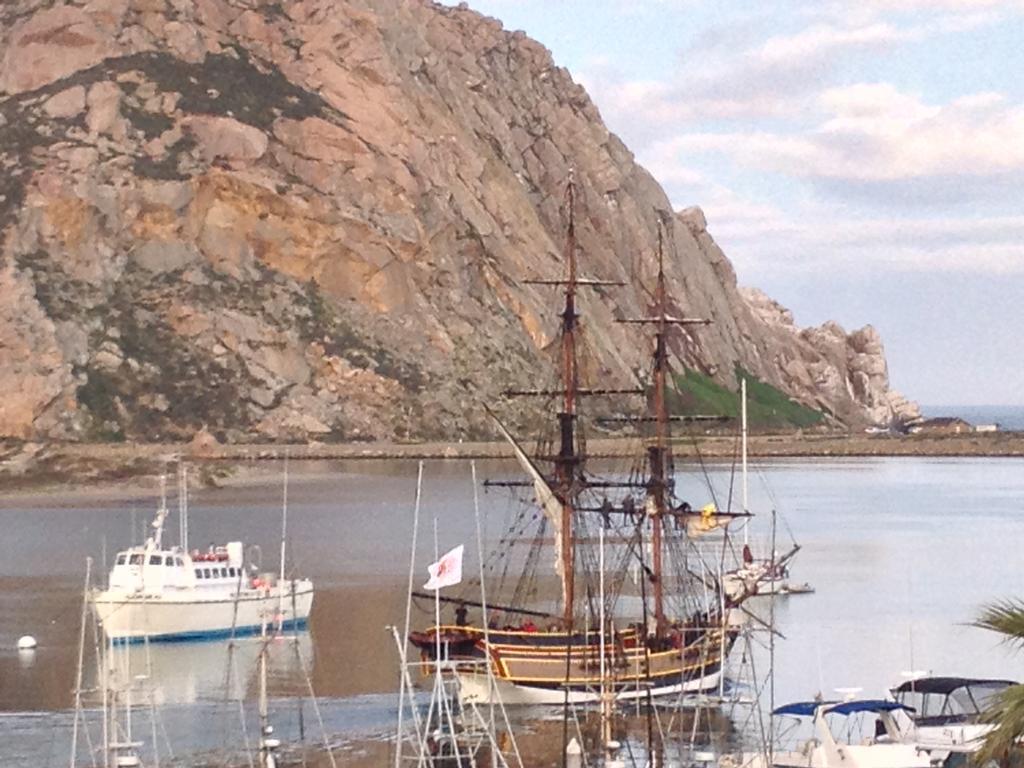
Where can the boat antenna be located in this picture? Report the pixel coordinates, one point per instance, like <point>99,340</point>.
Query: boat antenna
<point>183,505</point>
<point>161,515</point>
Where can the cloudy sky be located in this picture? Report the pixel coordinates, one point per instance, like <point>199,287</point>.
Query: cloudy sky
<point>858,161</point>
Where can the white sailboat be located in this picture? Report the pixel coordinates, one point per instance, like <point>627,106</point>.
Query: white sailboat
<point>756,576</point>
<point>121,692</point>
<point>162,593</point>
<point>451,729</point>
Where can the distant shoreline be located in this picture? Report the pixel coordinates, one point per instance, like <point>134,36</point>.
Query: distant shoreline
<point>41,468</point>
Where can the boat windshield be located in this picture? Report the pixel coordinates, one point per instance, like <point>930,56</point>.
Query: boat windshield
<point>941,705</point>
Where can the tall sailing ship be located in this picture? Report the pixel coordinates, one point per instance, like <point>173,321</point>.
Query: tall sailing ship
<point>658,623</point>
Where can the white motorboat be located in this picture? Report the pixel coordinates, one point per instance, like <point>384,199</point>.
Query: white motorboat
<point>944,713</point>
<point>824,750</point>
<point>163,593</point>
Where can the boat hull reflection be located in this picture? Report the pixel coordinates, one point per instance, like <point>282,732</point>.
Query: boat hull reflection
<point>189,673</point>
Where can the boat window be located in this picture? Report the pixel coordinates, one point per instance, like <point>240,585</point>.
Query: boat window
<point>179,562</point>
<point>199,573</point>
<point>224,573</point>
<point>206,573</point>
<point>169,561</point>
<point>121,558</point>
<point>982,694</point>
<point>156,560</point>
<point>135,559</point>
<point>232,572</point>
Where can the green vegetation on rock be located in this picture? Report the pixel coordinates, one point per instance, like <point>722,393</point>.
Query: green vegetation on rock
<point>767,406</point>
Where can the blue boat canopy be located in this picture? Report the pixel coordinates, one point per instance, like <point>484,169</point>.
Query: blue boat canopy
<point>807,708</point>
<point>801,708</point>
<point>868,705</point>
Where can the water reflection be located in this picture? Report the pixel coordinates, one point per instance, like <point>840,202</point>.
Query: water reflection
<point>189,673</point>
<point>901,551</point>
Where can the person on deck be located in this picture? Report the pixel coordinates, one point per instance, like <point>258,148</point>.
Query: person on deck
<point>748,556</point>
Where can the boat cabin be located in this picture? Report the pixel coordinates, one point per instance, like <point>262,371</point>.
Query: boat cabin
<point>824,750</point>
<point>151,569</point>
<point>937,701</point>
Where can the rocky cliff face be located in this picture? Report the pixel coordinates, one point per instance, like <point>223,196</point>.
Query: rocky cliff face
<point>311,219</point>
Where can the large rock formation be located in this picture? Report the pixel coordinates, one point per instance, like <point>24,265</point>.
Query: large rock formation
<point>312,219</point>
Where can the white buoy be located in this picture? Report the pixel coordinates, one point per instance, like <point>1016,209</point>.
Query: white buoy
<point>26,643</point>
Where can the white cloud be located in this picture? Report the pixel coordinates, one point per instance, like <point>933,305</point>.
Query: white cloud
<point>875,133</point>
<point>823,40</point>
<point>730,72</point>
<point>817,242</point>
<point>921,169</point>
<point>813,237</point>
<point>946,5</point>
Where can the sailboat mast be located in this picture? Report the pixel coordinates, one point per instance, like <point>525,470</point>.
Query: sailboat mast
<point>743,422</point>
<point>568,460</point>
<point>659,452</point>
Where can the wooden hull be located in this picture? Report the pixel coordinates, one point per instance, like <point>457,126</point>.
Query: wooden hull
<point>538,667</point>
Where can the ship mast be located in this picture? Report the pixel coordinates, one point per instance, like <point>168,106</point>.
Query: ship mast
<point>659,454</point>
<point>567,482</point>
<point>659,450</point>
<point>567,461</point>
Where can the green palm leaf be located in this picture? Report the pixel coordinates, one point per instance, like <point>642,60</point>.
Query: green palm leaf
<point>1007,709</point>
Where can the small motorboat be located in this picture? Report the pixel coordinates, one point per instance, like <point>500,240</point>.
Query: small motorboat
<point>944,714</point>
<point>824,750</point>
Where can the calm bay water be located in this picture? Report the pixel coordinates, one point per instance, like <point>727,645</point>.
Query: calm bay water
<point>902,553</point>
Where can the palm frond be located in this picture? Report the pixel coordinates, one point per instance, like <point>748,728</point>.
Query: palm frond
<point>1007,713</point>
<point>1006,618</point>
<point>1007,709</point>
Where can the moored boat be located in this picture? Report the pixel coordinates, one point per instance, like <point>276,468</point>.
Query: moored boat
<point>684,631</point>
<point>945,713</point>
<point>825,750</point>
<point>166,593</point>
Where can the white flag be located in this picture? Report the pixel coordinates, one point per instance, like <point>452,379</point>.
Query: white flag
<point>447,570</point>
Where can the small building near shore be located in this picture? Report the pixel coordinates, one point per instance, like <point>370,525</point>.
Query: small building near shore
<point>943,425</point>
<point>986,428</point>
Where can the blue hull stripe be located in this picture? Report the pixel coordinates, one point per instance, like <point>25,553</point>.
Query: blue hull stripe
<point>211,634</point>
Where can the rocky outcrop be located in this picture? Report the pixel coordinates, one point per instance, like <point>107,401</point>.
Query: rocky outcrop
<point>847,372</point>
<point>312,220</point>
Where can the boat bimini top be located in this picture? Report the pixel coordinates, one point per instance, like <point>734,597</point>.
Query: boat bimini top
<point>948,700</point>
<point>810,708</point>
